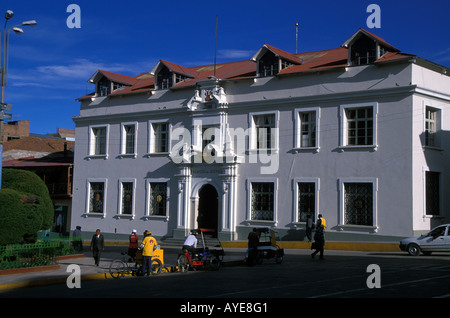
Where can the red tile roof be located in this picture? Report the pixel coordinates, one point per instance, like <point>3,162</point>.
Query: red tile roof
<point>303,62</point>
<point>38,144</point>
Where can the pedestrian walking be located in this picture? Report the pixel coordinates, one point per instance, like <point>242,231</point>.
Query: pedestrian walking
<point>133,245</point>
<point>77,241</point>
<point>97,246</point>
<point>319,238</point>
<point>309,227</point>
<point>148,245</point>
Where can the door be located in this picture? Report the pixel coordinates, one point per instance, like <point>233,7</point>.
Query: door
<point>208,209</point>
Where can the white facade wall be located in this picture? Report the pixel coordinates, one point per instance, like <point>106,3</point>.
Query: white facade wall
<point>394,166</point>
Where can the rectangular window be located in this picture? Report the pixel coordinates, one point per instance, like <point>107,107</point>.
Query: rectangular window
<point>127,189</point>
<point>358,203</point>
<point>159,137</point>
<point>129,139</point>
<point>263,128</point>
<point>358,125</point>
<point>432,126</point>
<point>158,199</point>
<point>263,131</point>
<point>307,129</point>
<point>432,189</point>
<point>96,197</point>
<point>99,141</point>
<point>262,201</point>
<point>306,200</point>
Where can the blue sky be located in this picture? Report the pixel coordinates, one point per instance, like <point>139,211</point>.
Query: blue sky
<point>49,64</point>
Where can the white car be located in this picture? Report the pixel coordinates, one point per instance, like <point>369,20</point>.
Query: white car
<point>437,240</point>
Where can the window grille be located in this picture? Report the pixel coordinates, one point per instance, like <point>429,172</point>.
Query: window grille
<point>158,196</point>
<point>358,200</point>
<point>262,207</point>
<point>127,197</point>
<point>96,197</point>
<point>306,200</point>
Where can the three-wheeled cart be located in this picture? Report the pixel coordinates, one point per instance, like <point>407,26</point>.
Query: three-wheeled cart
<point>125,266</point>
<point>204,256</point>
<point>269,246</point>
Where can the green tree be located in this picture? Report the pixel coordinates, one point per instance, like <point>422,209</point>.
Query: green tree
<point>25,206</point>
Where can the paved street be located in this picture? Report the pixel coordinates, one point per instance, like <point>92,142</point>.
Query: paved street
<point>343,274</point>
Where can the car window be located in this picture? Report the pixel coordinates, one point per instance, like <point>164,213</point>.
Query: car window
<point>439,231</point>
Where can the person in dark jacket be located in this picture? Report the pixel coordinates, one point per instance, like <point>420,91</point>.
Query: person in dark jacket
<point>319,238</point>
<point>97,246</point>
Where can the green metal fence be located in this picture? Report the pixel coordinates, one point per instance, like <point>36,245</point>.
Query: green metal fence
<point>31,255</point>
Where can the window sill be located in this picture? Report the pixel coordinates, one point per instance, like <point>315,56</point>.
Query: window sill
<point>361,228</point>
<point>127,155</point>
<point>371,148</point>
<point>306,149</point>
<point>261,222</point>
<point>89,157</point>
<point>156,217</point>
<point>157,154</point>
<point>432,148</point>
<point>94,214</point>
<point>124,216</point>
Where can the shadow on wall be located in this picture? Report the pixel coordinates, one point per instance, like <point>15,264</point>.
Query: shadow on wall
<point>436,171</point>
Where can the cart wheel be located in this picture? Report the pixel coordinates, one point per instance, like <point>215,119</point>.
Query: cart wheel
<point>156,266</point>
<point>117,268</point>
<point>279,256</point>
<point>215,264</point>
<point>260,257</point>
<point>279,259</point>
<point>253,257</point>
<point>183,263</point>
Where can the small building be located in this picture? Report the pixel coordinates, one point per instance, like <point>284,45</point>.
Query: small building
<point>51,158</point>
<point>357,133</point>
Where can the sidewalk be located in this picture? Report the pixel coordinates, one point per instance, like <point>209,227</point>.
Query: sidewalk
<point>234,255</point>
<point>58,274</point>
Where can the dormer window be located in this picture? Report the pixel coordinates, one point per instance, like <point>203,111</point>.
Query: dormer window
<point>270,61</point>
<point>103,87</point>
<point>164,79</point>
<point>366,48</point>
<point>363,51</point>
<point>106,87</point>
<point>169,74</point>
<point>268,65</point>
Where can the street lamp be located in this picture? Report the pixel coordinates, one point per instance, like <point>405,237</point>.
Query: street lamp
<point>4,69</point>
<point>17,30</point>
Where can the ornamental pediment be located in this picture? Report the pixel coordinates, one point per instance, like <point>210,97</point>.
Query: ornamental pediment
<point>208,95</point>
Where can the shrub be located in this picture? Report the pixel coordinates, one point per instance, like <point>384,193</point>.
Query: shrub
<point>25,206</point>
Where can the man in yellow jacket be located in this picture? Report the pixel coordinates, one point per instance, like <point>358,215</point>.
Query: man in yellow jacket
<point>148,245</point>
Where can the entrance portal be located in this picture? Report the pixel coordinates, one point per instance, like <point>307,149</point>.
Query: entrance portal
<point>208,208</point>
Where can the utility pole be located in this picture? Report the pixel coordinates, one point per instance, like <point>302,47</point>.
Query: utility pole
<point>4,70</point>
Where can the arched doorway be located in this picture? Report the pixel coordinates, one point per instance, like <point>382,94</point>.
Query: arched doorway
<point>208,208</point>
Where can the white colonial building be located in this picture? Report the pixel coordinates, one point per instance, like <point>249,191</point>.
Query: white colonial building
<point>358,133</point>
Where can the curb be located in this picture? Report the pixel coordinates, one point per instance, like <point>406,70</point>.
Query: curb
<point>348,246</point>
<point>343,246</point>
